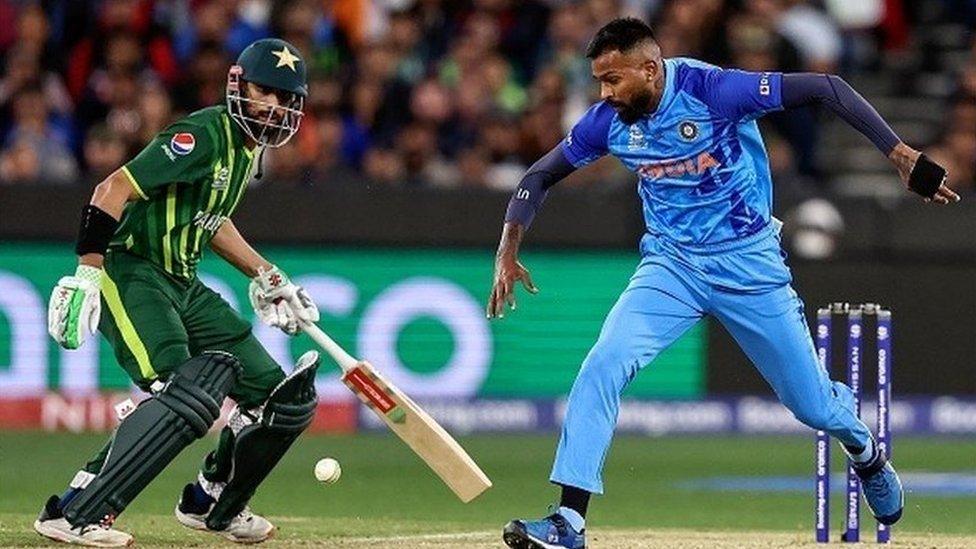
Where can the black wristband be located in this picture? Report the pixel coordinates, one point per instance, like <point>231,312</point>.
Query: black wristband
<point>926,177</point>
<point>96,231</point>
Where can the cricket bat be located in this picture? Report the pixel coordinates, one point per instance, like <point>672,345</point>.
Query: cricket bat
<point>410,422</point>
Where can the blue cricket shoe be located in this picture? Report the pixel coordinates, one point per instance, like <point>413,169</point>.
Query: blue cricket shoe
<point>882,488</point>
<point>552,532</point>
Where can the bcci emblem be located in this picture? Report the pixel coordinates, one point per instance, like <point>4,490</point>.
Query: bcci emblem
<point>688,130</point>
<point>636,138</point>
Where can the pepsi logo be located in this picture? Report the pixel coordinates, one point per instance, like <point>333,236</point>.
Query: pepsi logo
<point>182,143</point>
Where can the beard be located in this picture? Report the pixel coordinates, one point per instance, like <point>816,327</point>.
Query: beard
<point>633,110</point>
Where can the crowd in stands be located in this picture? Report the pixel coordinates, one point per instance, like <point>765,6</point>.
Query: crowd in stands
<point>447,93</point>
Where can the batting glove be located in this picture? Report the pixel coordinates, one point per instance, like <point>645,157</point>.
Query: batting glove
<point>75,307</point>
<point>280,303</point>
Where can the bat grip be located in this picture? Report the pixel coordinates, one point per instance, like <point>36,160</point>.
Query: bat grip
<point>344,359</point>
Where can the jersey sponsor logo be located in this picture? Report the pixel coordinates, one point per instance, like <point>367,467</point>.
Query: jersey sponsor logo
<point>688,130</point>
<point>182,143</point>
<point>522,194</point>
<point>679,167</point>
<point>209,222</point>
<point>169,154</point>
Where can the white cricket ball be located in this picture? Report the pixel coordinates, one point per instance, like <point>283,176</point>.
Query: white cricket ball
<point>327,470</point>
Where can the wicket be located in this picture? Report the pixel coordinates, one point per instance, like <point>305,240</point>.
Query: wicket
<point>855,323</point>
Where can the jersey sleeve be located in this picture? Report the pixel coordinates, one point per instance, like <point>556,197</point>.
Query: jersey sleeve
<point>588,140</point>
<point>742,95</point>
<point>182,153</point>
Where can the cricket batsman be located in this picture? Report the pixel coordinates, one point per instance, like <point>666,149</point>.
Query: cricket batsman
<point>711,247</point>
<point>140,240</point>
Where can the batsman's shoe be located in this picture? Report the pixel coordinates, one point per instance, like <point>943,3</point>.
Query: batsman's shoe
<point>246,527</point>
<point>882,488</point>
<point>52,525</point>
<point>552,532</point>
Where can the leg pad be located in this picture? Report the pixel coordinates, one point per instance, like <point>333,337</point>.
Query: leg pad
<point>149,438</point>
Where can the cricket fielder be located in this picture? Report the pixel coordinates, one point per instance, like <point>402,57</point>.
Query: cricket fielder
<point>139,244</point>
<point>711,247</point>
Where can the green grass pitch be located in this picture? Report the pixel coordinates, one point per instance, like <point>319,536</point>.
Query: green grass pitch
<point>387,496</point>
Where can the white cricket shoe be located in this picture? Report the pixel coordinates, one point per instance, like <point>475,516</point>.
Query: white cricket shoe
<point>246,527</point>
<point>52,525</point>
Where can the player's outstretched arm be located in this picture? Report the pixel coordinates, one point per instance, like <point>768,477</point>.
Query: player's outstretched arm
<point>525,202</point>
<point>919,173</point>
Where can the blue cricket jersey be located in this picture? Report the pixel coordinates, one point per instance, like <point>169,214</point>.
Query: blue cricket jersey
<point>702,166</point>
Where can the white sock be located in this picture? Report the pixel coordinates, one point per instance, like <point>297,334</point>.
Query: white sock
<point>574,519</point>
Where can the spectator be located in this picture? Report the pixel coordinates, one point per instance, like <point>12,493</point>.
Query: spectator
<point>24,67</point>
<point>35,149</point>
<point>384,166</point>
<point>449,93</point>
<point>809,30</point>
<point>105,152</point>
<point>473,166</point>
<point>206,81</point>
<point>155,110</point>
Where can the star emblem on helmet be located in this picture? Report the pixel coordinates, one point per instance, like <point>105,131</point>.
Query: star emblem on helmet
<point>286,58</point>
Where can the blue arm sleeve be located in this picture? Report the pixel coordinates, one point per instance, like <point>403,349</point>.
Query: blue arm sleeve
<point>741,95</point>
<point>807,88</point>
<point>587,141</point>
<point>532,190</point>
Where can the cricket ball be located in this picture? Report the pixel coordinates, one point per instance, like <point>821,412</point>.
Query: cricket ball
<point>327,470</point>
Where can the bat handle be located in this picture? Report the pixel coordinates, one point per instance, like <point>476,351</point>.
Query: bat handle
<point>344,359</point>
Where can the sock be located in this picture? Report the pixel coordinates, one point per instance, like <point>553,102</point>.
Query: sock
<point>574,519</point>
<point>576,500</point>
<point>861,455</point>
<point>200,495</point>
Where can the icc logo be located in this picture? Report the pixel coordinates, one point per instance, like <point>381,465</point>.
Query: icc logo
<point>855,331</point>
<point>636,138</point>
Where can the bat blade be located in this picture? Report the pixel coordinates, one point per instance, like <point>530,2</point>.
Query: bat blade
<point>422,434</point>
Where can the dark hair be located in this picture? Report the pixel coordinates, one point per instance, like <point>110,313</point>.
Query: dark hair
<point>620,34</point>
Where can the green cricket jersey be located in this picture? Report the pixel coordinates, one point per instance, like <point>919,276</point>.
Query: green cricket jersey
<point>191,178</point>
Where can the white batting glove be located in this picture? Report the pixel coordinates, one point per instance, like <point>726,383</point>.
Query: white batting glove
<point>75,307</point>
<point>279,303</point>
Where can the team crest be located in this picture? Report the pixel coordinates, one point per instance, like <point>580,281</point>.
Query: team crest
<point>182,143</point>
<point>688,130</point>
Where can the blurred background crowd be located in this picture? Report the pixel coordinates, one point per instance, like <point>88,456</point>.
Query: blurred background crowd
<point>461,93</point>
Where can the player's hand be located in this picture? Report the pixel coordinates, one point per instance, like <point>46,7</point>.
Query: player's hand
<point>508,270</point>
<point>75,307</point>
<point>280,303</point>
<point>922,176</point>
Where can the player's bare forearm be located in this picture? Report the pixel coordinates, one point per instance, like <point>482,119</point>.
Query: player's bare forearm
<point>508,270</point>
<point>511,239</point>
<point>110,196</point>
<point>904,158</point>
<point>230,245</point>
